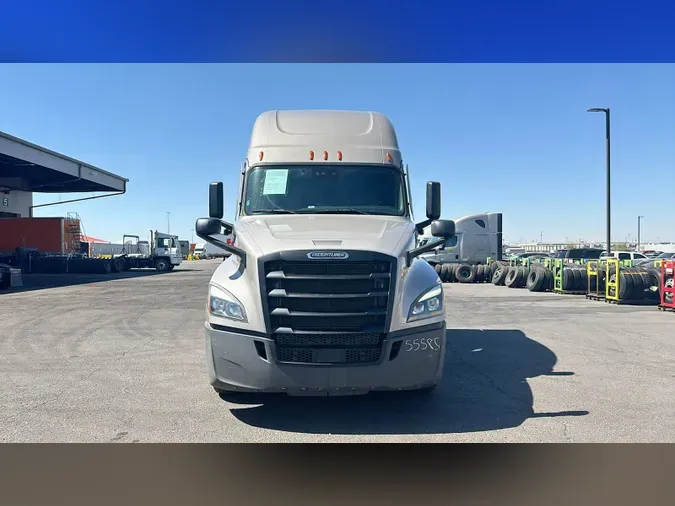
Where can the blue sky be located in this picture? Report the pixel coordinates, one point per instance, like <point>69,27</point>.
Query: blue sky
<point>506,138</point>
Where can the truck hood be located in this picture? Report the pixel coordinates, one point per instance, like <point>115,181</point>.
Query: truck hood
<point>350,232</point>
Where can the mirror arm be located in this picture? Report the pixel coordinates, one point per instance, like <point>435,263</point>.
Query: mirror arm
<point>410,256</point>
<point>419,227</point>
<point>227,226</point>
<point>227,247</point>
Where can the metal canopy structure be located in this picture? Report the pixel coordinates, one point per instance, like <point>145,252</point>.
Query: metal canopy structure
<point>27,167</point>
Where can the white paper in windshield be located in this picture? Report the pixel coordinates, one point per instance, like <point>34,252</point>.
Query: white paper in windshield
<point>275,182</point>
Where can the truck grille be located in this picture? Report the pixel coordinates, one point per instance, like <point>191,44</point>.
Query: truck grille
<point>328,311</point>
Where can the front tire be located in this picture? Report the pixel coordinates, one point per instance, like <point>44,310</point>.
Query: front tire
<point>162,265</point>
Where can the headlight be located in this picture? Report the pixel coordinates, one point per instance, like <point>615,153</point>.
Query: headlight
<point>223,303</point>
<point>427,305</point>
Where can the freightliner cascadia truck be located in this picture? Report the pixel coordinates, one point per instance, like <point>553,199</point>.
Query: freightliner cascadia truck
<point>324,293</point>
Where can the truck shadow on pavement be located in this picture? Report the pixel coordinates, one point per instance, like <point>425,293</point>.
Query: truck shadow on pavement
<point>484,388</point>
<point>43,281</point>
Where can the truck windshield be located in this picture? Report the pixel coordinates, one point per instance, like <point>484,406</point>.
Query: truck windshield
<point>329,189</point>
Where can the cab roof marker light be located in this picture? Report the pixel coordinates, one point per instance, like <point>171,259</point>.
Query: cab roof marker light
<point>389,157</point>
<point>325,155</point>
<point>260,156</point>
<point>311,155</point>
<point>339,155</point>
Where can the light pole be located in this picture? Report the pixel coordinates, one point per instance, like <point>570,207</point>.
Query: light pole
<point>192,231</point>
<point>609,213</point>
<point>638,239</point>
<point>168,222</point>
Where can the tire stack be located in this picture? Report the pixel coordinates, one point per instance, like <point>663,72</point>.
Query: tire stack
<point>516,277</point>
<point>635,283</point>
<point>575,278</point>
<point>465,273</point>
<point>539,279</point>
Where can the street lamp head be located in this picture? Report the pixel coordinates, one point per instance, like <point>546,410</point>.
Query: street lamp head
<point>598,109</point>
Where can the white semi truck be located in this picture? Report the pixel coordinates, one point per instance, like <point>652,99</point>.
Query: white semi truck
<point>323,293</point>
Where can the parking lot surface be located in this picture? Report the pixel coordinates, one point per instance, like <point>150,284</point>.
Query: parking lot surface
<point>122,360</point>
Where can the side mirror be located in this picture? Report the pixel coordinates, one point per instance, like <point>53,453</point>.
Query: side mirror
<point>443,228</point>
<point>215,201</point>
<point>208,227</point>
<point>433,200</point>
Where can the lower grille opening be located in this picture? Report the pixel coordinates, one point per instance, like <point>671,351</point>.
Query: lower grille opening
<point>260,348</point>
<point>338,340</point>
<point>328,355</point>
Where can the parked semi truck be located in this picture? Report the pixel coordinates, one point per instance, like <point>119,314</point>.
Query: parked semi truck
<point>163,253</point>
<point>324,293</point>
<point>477,238</point>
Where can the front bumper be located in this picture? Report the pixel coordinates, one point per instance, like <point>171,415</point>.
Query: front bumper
<point>235,364</point>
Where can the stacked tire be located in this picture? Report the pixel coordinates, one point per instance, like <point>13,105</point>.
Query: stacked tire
<point>516,277</point>
<point>539,279</point>
<point>635,283</point>
<point>465,273</point>
<point>499,274</point>
<point>575,278</point>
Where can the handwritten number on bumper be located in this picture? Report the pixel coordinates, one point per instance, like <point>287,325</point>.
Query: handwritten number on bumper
<point>422,344</point>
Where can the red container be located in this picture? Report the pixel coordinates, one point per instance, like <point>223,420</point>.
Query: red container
<point>667,288</point>
<point>48,235</point>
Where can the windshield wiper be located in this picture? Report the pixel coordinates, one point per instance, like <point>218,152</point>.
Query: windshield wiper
<point>272,211</point>
<point>337,211</point>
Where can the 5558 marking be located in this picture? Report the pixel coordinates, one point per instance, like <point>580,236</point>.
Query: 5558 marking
<point>423,344</point>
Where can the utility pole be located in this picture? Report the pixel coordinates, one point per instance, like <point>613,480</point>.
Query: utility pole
<point>607,137</point>
<point>638,238</point>
<point>168,222</point>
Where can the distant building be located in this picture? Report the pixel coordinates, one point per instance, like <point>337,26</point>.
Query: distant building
<point>666,247</point>
<point>543,247</point>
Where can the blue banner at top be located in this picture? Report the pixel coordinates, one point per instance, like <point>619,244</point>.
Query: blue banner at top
<point>344,31</point>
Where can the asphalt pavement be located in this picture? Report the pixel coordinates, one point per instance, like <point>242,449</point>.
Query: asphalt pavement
<point>121,359</point>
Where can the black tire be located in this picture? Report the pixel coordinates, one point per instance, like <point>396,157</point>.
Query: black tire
<point>162,264</point>
<point>536,279</point>
<point>499,276</point>
<point>626,285</point>
<point>437,268</point>
<point>549,280</point>
<point>655,279</point>
<point>578,280</point>
<point>453,273</point>
<point>107,267</point>
<point>118,265</point>
<point>445,274</point>
<point>568,279</point>
<point>171,267</point>
<point>511,277</point>
<point>465,273</point>
<point>521,278</point>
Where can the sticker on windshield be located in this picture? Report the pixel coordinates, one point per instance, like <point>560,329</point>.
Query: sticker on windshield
<point>275,182</point>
